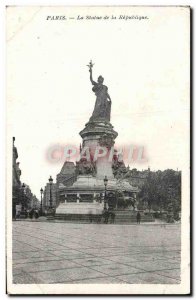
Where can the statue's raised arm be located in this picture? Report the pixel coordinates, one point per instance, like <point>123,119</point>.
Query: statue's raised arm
<point>91,75</point>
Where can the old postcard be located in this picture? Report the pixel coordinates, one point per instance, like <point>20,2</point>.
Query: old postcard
<point>98,150</point>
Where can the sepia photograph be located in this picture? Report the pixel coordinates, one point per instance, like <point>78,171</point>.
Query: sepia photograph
<point>98,150</point>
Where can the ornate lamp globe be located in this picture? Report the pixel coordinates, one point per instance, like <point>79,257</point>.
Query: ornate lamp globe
<point>50,180</point>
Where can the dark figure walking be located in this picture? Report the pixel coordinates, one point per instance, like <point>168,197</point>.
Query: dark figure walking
<point>112,217</point>
<point>138,217</point>
<point>106,216</point>
<point>31,213</point>
<point>91,218</point>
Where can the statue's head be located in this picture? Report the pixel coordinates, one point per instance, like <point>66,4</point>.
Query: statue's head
<point>100,79</point>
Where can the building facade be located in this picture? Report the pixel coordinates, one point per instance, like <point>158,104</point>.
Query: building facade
<point>22,196</point>
<point>35,203</point>
<point>136,177</point>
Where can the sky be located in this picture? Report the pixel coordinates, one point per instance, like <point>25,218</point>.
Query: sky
<point>145,65</point>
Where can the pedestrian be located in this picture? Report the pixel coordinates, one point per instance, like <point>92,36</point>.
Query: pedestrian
<point>18,214</point>
<point>112,217</point>
<point>138,217</point>
<point>99,219</point>
<point>91,218</point>
<point>36,214</point>
<point>25,214</point>
<point>106,216</point>
<point>31,214</point>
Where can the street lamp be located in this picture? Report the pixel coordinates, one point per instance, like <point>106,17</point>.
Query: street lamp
<point>23,187</point>
<point>50,181</point>
<point>105,183</point>
<point>41,191</point>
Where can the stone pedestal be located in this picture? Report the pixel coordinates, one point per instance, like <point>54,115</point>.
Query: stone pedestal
<point>95,135</point>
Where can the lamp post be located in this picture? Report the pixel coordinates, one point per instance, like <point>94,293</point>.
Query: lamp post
<point>23,187</point>
<point>50,181</point>
<point>41,191</point>
<point>105,183</point>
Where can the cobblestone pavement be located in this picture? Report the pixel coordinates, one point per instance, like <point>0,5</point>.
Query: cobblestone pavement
<point>47,252</point>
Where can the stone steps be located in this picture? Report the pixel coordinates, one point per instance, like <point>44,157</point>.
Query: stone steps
<point>86,218</point>
<point>127,216</point>
<point>78,218</point>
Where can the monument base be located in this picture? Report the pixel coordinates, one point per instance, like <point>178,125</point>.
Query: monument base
<point>85,198</point>
<point>80,201</point>
<point>80,208</point>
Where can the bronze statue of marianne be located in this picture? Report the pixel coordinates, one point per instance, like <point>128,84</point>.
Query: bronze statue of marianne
<point>102,107</point>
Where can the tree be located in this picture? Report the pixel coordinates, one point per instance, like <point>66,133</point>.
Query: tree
<point>162,188</point>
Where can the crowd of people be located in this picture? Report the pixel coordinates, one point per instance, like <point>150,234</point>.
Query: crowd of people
<point>32,214</point>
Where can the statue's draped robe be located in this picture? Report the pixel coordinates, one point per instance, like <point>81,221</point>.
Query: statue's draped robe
<point>102,107</point>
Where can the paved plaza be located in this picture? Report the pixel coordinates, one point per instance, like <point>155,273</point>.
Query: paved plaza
<point>49,252</point>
